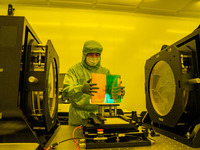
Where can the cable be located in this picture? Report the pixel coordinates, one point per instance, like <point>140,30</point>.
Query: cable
<point>74,139</point>
<point>80,127</point>
<point>47,148</point>
<point>57,143</point>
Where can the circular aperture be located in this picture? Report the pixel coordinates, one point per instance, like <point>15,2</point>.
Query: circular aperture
<point>162,88</point>
<point>52,88</point>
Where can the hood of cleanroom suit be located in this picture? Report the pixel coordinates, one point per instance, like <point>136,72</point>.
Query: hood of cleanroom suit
<point>91,47</point>
<point>76,76</point>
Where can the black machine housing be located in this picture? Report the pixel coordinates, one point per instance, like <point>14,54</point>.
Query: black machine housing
<point>28,84</point>
<point>113,130</point>
<point>182,120</point>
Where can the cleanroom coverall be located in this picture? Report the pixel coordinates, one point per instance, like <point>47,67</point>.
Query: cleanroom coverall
<point>75,78</point>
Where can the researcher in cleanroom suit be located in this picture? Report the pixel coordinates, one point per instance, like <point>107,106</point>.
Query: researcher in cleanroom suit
<point>77,87</point>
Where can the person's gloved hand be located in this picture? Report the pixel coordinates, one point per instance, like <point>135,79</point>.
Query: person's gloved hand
<point>122,88</point>
<point>118,91</point>
<point>89,88</point>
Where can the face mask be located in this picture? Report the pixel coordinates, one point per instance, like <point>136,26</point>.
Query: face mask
<point>92,61</point>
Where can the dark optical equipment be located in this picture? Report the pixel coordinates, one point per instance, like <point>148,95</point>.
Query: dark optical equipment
<point>11,10</point>
<point>28,84</point>
<point>172,87</point>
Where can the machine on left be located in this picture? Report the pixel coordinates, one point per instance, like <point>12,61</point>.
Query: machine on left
<point>28,85</point>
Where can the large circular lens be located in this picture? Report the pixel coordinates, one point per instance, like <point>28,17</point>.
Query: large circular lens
<point>52,88</point>
<point>162,88</point>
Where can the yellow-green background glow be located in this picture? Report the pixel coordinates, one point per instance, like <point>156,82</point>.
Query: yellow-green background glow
<point>128,39</point>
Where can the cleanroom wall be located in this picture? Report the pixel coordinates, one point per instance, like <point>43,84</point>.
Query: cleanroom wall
<point>128,39</point>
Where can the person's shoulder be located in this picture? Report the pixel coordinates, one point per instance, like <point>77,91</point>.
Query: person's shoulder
<point>105,70</point>
<point>76,67</point>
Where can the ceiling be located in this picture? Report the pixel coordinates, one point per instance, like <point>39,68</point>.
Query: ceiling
<point>180,8</point>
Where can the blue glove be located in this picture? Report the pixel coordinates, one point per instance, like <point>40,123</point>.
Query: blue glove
<point>89,88</point>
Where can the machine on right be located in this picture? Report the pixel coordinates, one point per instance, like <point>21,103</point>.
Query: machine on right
<point>172,87</point>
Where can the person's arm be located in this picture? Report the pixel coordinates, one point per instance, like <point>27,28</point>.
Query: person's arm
<point>71,87</point>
